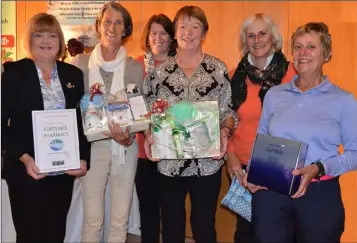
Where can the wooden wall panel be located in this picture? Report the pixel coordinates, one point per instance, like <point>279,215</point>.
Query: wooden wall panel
<point>20,22</point>
<point>225,19</point>
<point>132,44</point>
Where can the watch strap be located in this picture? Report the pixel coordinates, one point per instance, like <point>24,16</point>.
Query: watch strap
<point>321,169</point>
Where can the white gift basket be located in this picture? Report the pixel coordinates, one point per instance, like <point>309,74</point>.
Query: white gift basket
<point>129,109</point>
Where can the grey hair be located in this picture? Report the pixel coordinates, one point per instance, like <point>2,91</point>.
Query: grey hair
<point>273,28</point>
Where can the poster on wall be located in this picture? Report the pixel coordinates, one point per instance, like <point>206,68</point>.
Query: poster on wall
<point>77,19</point>
<point>8,31</point>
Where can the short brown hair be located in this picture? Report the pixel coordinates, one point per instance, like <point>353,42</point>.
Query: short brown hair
<point>128,22</point>
<point>322,30</point>
<point>43,22</point>
<point>192,11</point>
<point>166,22</point>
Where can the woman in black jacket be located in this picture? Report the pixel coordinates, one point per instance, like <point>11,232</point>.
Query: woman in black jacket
<point>39,202</point>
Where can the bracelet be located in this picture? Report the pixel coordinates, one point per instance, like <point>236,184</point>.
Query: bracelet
<point>129,143</point>
<point>230,130</point>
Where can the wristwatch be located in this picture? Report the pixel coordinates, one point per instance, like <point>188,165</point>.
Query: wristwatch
<point>321,170</point>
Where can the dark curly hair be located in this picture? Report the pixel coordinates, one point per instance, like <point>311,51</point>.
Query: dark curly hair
<point>75,47</point>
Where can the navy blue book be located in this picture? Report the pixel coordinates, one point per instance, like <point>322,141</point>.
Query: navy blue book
<point>272,162</point>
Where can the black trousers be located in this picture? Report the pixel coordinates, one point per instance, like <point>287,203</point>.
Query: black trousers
<point>318,216</point>
<point>39,207</point>
<point>204,192</point>
<point>244,231</point>
<point>147,187</point>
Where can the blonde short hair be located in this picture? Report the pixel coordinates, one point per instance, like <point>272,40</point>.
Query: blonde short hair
<point>43,22</point>
<point>273,28</point>
<point>322,30</point>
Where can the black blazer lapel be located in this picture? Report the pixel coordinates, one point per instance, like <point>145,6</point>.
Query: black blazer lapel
<point>68,86</point>
<point>33,86</point>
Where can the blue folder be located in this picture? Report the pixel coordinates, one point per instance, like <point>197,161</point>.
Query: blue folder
<point>272,162</point>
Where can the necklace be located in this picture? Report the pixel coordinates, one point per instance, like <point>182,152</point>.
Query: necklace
<point>46,75</point>
<point>189,68</point>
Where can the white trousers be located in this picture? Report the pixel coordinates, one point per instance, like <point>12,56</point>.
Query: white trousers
<point>75,217</point>
<point>121,192</point>
<point>8,233</point>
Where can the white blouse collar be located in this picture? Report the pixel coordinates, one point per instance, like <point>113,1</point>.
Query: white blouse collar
<point>270,57</point>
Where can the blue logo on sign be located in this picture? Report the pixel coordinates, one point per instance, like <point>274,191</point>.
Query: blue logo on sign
<point>56,145</point>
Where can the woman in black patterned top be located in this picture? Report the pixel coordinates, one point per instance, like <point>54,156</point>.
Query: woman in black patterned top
<point>191,75</point>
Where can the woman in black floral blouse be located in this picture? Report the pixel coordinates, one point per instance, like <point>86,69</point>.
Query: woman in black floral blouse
<point>193,76</point>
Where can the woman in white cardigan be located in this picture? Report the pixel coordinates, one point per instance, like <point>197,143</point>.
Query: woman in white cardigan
<point>113,160</point>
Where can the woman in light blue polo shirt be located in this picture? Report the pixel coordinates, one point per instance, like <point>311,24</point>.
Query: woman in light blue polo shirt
<point>313,110</point>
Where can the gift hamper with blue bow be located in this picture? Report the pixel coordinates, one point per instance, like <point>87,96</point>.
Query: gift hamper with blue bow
<point>98,108</point>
